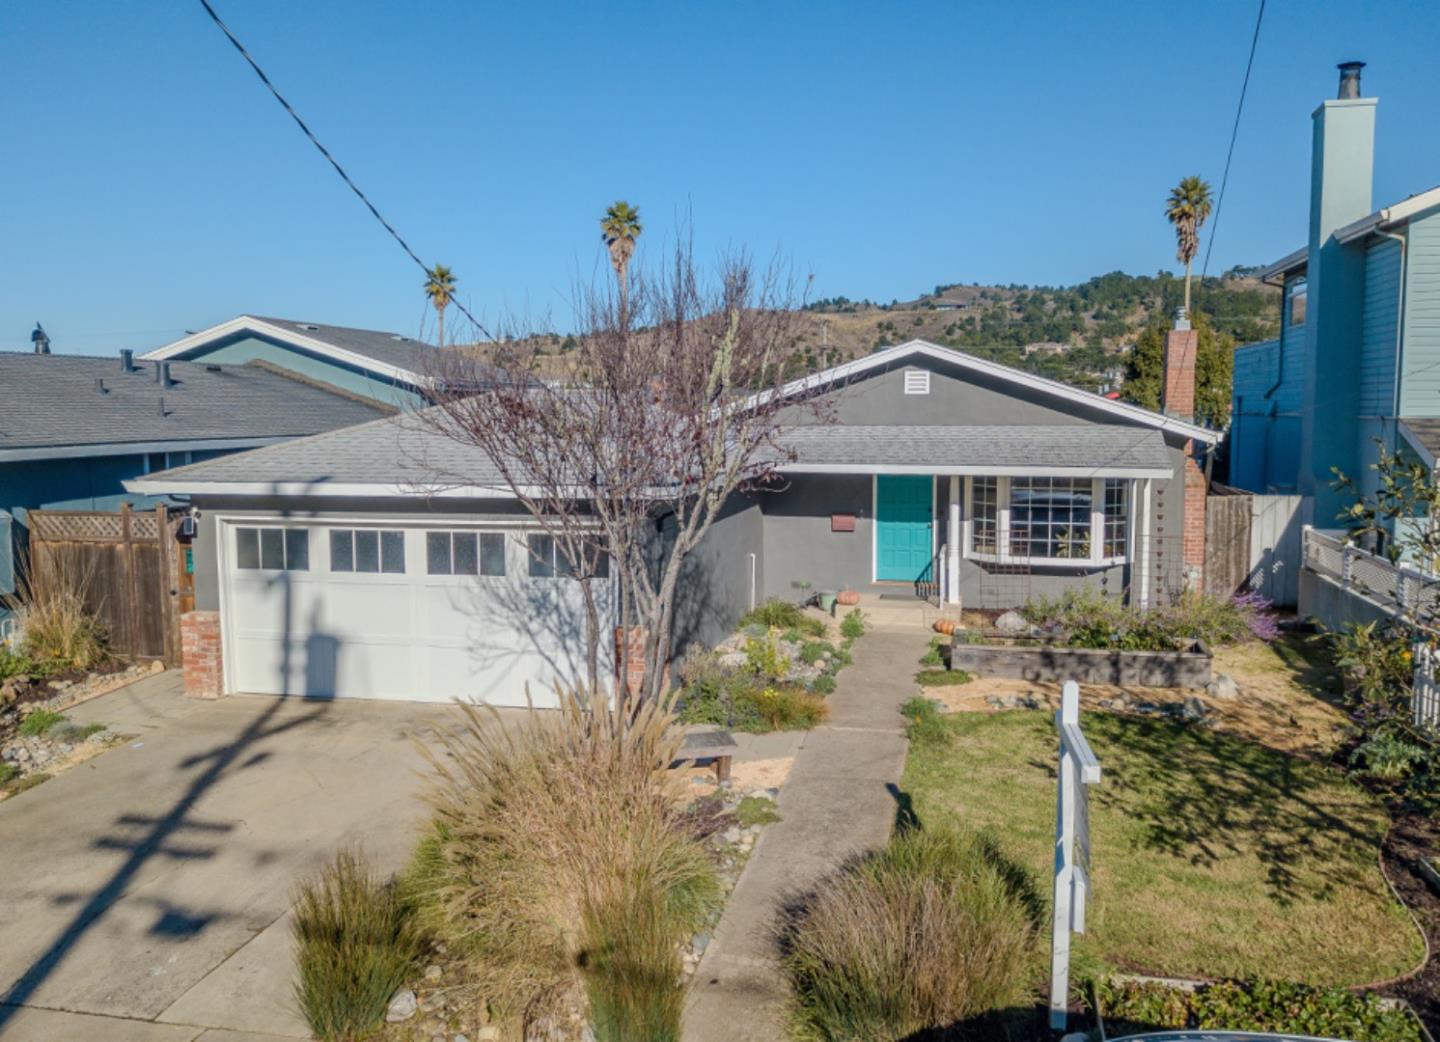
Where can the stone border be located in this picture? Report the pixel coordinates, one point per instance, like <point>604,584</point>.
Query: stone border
<point>1053,663</point>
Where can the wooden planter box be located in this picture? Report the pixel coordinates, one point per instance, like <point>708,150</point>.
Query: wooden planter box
<point>1050,663</point>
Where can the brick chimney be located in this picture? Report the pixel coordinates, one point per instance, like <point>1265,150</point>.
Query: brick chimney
<point>1181,344</point>
<point>1178,400</point>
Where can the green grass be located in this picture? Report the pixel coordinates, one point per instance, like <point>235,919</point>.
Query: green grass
<point>923,722</point>
<point>755,810</point>
<point>778,615</point>
<point>39,721</point>
<point>7,772</point>
<point>942,677</point>
<point>1213,857</point>
<point>932,658</point>
<point>853,625</point>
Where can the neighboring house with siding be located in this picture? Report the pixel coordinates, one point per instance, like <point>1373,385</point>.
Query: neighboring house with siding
<point>387,561</point>
<point>392,369</point>
<point>73,428</point>
<point>1358,358</point>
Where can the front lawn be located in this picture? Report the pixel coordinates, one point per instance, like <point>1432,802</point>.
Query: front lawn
<point>1213,856</point>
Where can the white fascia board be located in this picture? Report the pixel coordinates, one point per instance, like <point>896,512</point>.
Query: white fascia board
<point>325,490</point>
<point>977,470</point>
<point>1285,265</point>
<point>246,324</point>
<point>1389,217</point>
<point>926,349</point>
<point>134,448</point>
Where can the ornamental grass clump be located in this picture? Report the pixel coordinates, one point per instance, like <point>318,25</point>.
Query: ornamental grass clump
<point>356,944</point>
<point>933,930</point>
<point>560,867</point>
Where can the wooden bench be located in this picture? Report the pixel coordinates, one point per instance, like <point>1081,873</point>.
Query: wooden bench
<point>708,743</point>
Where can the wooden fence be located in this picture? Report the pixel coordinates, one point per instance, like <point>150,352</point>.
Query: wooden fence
<point>1254,541</point>
<point>125,565</point>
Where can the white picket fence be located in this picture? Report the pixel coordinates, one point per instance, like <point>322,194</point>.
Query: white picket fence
<point>1078,770</point>
<point>1403,591</point>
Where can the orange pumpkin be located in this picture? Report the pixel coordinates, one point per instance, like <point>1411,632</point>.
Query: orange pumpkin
<point>847,597</point>
<point>945,627</point>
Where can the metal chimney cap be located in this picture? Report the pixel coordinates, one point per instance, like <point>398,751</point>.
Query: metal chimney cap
<point>1350,79</point>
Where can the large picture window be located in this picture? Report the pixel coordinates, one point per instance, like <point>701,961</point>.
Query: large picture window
<point>1081,522</point>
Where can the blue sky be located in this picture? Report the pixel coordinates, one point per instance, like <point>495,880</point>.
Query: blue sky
<point>150,185</point>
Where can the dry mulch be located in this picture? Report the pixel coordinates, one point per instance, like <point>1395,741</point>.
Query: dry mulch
<point>1414,837</point>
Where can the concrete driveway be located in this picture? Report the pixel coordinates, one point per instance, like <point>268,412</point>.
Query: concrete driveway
<point>144,894</point>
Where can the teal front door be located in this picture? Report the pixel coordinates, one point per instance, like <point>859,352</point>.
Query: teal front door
<point>904,526</point>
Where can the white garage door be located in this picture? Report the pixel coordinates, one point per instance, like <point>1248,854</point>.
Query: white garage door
<point>418,613</point>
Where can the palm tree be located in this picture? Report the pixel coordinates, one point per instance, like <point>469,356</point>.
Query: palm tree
<point>440,288</point>
<point>1187,209</point>
<point>620,227</point>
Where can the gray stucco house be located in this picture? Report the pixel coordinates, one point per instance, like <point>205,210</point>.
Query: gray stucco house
<point>355,563</point>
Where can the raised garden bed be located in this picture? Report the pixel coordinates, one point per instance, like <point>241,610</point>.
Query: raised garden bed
<point>1055,663</point>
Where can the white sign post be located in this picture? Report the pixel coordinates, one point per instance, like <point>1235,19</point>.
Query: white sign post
<point>1078,771</point>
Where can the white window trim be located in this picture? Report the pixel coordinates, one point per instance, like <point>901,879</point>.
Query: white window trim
<point>1097,532</point>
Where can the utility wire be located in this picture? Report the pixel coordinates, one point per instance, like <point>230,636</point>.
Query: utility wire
<point>1234,132</point>
<point>331,159</point>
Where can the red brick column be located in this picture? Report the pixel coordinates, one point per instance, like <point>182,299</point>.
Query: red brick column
<point>635,662</point>
<point>200,654</point>
<point>1193,542</point>
<point>1181,346</point>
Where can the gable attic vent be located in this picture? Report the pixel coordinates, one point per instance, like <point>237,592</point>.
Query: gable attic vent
<point>917,381</point>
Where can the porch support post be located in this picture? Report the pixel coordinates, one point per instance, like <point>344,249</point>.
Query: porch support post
<point>953,537</point>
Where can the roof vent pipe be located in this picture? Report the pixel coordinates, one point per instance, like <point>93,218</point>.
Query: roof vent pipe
<point>1350,79</point>
<point>127,360</point>
<point>162,374</point>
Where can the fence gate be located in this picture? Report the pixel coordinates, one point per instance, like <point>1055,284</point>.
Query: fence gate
<point>125,567</point>
<point>1227,543</point>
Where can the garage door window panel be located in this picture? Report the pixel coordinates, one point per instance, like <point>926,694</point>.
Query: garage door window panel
<point>465,553</point>
<point>367,550</point>
<point>272,549</point>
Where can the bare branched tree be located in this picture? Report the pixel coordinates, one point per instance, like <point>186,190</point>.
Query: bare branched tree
<point>670,408</point>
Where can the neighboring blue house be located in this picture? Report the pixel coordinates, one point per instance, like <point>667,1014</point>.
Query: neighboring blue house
<point>1358,357</point>
<point>386,367</point>
<point>72,429</point>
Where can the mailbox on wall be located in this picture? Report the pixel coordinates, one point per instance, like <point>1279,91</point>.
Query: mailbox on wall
<point>842,522</point>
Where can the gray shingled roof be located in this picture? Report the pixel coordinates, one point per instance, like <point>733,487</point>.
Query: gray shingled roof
<point>390,348</point>
<point>53,402</point>
<point>398,450</point>
<point>1079,446</point>
<point>403,451</point>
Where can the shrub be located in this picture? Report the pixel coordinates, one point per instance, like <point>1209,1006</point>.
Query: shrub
<point>1261,1006</point>
<point>932,930</point>
<point>824,684</point>
<point>1089,619</point>
<point>853,625</point>
<point>38,721</point>
<point>355,946</point>
<point>923,722</point>
<point>7,772</point>
<point>561,864</point>
<point>815,650</point>
<point>59,629</point>
<point>942,677</point>
<point>14,663</point>
<point>779,615</point>
<point>933,656</point>
<point>790,708</point>
<point>764,658</point>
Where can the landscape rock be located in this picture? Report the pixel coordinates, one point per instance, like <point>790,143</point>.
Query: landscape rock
<point>432,973</point>
<point>1223,687</point>
<point>1012,622</point>
<point>489,1033</point>
<point>402,1006</point>
<point>1193,710</point>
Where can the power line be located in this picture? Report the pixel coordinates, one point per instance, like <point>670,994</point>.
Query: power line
<point>331,159</point>
<point>1234,132</point>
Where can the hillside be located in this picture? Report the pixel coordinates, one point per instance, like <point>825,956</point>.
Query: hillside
<point>1078,334</point>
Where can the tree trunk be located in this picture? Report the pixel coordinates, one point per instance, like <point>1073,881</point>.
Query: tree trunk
<point>1187,289</point>
<point>440,313</point>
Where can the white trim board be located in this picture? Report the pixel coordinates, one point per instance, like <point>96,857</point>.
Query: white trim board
<point>924,348</point>
<point>246,324</point>
<point>977,470</point>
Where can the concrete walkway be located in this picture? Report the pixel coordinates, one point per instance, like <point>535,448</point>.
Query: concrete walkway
<point>839,800</point>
